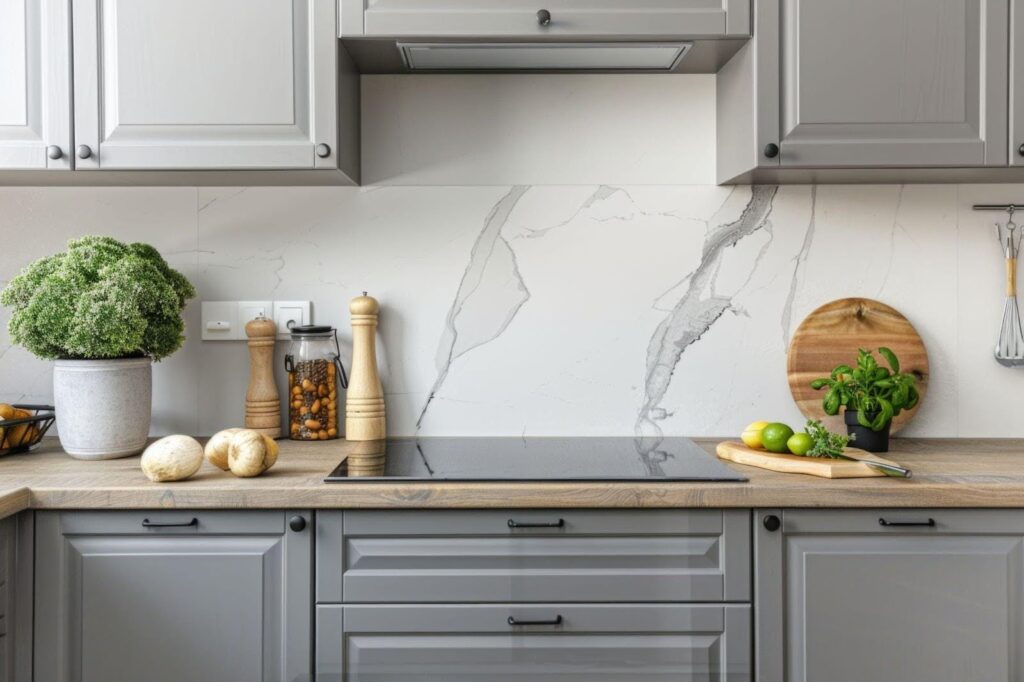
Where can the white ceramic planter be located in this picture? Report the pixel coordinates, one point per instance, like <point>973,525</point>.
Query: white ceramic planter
<point>103,406</point>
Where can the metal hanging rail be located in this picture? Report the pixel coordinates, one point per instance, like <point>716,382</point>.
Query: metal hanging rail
<point>998,207</point>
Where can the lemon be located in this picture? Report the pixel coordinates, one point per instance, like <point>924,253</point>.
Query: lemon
<point>752,435</point>
<point>799,443</point>
<point>774,437</point>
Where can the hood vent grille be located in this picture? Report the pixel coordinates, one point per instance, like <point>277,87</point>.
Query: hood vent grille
<point>543,56</point>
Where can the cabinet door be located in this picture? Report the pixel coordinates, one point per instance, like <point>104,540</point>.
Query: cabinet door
<point>891,83</point>
<point>626,642</point>
<point>1016,138</point>
<point>510,18</point>
<point>205,84</point>
<point>35,84</point>
<point>937,602</point>
<point>226,598</point>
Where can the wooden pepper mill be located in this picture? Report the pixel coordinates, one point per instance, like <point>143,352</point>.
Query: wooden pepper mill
<point>262,403</point>
<point>364,402</point>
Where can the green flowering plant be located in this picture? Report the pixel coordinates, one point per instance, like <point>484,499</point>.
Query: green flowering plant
<point>100,299</point>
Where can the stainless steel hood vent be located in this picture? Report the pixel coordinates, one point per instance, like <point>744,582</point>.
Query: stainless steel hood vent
<point>604,57</point>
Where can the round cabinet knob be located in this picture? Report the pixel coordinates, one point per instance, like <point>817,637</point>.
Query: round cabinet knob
<point>54,152</point>
<point>323,150</point>
<point>543,17</point>
<point>1020,150</point>
<point>772,523</point>
<point>297,523</point>
<point>771,150</point>
<point>84,151</point>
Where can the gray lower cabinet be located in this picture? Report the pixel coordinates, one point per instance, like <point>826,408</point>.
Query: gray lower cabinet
<point>568,555</point>
<point>16,598</point>
<point>890,596</point>
<point>557,642</point>
<point>166,596</point>
<point>867,84</point>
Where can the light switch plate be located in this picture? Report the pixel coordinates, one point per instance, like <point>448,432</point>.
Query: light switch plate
<point>220,321</point>
<point>250,310</point>
<point>288,314</point>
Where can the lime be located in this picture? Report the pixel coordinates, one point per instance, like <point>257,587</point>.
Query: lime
<point>752,435</point>
<point>774,437</point>
<point>800,443</point>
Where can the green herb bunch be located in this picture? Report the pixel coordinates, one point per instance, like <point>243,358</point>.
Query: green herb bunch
<point>100,299</point>
<point>826,443</point>
<point>877,393</point>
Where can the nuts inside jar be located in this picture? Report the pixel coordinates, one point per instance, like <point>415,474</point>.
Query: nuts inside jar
<point>312,410</point>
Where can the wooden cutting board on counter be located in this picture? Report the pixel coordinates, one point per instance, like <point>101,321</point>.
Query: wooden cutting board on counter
<point>734,451</point>
<point>831,336</point>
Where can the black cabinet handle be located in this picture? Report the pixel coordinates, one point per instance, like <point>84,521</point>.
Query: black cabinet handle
<point>146,523</point>
<point>543,17</point>
<point>930,523</point>
<point>560,523</point>
<point>297,523</point>
<point>772,523</point>
<point>771,150</point>
<point>1020,150</point>
<point>557,620</point>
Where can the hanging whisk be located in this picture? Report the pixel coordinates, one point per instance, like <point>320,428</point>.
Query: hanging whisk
<point>1010,347</point>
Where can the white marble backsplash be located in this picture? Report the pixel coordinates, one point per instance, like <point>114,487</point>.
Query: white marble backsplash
<point>567,310</point>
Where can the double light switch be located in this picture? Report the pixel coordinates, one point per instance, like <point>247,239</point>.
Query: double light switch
<point>226,320</point>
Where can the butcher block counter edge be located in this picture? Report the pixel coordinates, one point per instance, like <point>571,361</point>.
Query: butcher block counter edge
<point>954,473</point>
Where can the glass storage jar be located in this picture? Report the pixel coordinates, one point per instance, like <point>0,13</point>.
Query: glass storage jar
<point>314,371</point>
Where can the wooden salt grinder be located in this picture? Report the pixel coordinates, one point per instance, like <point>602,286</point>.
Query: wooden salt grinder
<point>262,402</point>
<point>364,401</point>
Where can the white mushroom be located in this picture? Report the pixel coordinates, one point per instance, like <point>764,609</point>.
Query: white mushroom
<point>250,453</point>
<point>217,448</point>
<point>172,458</point>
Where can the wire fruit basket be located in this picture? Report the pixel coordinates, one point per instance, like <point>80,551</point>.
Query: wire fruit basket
<point>21,434</point>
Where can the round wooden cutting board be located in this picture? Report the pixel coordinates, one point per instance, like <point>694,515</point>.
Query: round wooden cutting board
<point>831,336</point>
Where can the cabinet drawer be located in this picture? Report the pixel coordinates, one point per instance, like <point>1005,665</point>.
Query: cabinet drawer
<point>904,521</point>
<point>172,521</point>
<point>568,18</point>
<point>533,556</point>
<point>590,642</point>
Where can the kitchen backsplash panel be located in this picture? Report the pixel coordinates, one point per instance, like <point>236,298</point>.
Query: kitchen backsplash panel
<point>535,310</point>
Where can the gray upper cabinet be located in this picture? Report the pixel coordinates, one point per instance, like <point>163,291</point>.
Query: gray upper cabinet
<point>931,596</point>
<point>870,84</point>
<point>166,596</point>
<point>568,18</point>
<point>1017,83</point>
<point>553,643</point>
<point>35,85</point>
<point>221,84</point>
<point>176,86</point>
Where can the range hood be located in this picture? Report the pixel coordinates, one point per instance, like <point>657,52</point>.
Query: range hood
<point>518,57</point>
<point>510,36</point>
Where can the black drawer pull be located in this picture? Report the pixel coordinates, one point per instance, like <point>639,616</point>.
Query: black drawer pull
<point>930,523</point>
<point>557,620</point>
<point>146,523</point>
<point>560,523</point>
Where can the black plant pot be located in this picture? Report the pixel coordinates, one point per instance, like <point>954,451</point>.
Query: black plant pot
<point>863,437</point>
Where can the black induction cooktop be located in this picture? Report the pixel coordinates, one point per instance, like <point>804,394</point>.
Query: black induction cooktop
<point>532,459</point>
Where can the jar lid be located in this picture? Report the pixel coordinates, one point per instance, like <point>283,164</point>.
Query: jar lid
<point>311,330</point>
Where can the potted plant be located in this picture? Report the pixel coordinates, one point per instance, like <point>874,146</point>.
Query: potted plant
<point>104,311</point>
<point>871,395</point>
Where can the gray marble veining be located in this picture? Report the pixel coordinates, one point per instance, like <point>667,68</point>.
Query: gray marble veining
<point>698,308</point>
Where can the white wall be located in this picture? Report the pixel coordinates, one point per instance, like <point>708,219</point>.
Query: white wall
<point>563,277</point>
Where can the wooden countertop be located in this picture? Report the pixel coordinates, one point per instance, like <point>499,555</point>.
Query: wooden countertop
<point>947,473</point>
